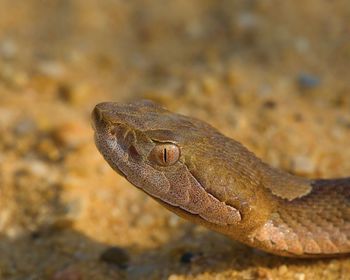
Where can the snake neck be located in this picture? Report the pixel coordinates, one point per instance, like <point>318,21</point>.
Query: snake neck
<point>316,224</point>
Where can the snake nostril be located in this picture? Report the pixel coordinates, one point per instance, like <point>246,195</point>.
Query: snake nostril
<point>97,113</point>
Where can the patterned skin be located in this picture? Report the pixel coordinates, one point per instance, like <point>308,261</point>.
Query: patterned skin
<point>200,174</point>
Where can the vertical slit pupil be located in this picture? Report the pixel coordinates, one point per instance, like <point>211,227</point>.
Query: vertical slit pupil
<point>165,155</point>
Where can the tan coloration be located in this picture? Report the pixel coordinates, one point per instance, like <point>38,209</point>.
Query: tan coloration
<point>218,183</point>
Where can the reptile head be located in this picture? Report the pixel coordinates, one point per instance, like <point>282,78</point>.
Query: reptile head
<point>157,150</point>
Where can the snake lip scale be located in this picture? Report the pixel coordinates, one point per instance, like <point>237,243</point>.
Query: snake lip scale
<point>201,175</point>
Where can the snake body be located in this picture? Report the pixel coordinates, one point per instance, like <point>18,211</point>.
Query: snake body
<point>195,171</point>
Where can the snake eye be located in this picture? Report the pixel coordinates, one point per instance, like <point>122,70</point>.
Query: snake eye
<point>165,154</point>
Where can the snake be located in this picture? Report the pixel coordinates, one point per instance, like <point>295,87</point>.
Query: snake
<point>201,175</point>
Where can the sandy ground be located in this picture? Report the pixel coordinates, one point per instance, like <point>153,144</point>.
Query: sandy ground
<point>274,75</point>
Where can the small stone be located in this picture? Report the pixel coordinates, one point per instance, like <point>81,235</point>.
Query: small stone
<point>210,85</point>
<point>117,256</point>
<point>263,273</point>
<point>192,89</point>
<point>13,77</point>
<point>20,79</point>
<point>73,94</point>
<point>51,69</point>
<point>71,134</point>
<point>302,45</point>
<point>24,127</point>
<point>232,78</point>
<point>282,269</point>
<point>5,218</point>
<point>173,221</point>
<point>303,165</point>
<point>299,276</point>
<point>337,133</point>
<point>73,209</point>
<point>344,122</point>
<point>186,257</point>
<point>247,21</point>
<point>68,273</point>
<point>38,168</point>
<point>298,117</point>
<point>195,29</point>
<point>146,220</point>
<point>269,104</point>
<point>8,49</point>
<point>135,209</point>
<point>49,150</point>
<point>308,81</point>
<point>175,277</point>
<point>13,232</point>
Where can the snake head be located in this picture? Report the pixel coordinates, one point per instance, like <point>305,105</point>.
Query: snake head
<point>157,151</point>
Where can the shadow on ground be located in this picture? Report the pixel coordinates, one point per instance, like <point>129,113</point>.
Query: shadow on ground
<point>59,251</point>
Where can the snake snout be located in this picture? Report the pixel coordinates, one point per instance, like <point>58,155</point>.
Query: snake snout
<point>98,118</point>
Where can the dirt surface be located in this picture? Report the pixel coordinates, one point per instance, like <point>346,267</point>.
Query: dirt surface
<point>274,75</point>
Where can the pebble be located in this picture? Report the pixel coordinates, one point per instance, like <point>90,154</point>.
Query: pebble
<point>263,274</point>
<point>192,89</point>
<point>8,49</point>
<point>195,29</point>
<point>38,168</point>
<point>68,273</point>
<point>5,218</point>
<point>303,165</point>
<point>269,104</point>
<point>282,269</point>
<point>14,232</point>
<point>71,134</point>
<point>210,85</point>
<point>344,122</point>
<point>247,21</point>
<point>302,45</point>
<point>146,220</point>
<point>187,258</point>
<point>175,277</point>
<point>24,127</point>
<point>145,270</point>
<point>173,221</point>
<point>49,150</point>
<point>337,133</point>
<point>73,208</point>
<point>12,77</point>
<point>135,209</point>
<point>299,276</point>
<point>308,81</point>
<point>51,69</point>
<point>117,256</point>
<point>232,78</point>
<point>73,94</point>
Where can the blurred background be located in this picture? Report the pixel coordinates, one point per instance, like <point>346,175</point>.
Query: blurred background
<point>274,75</point>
